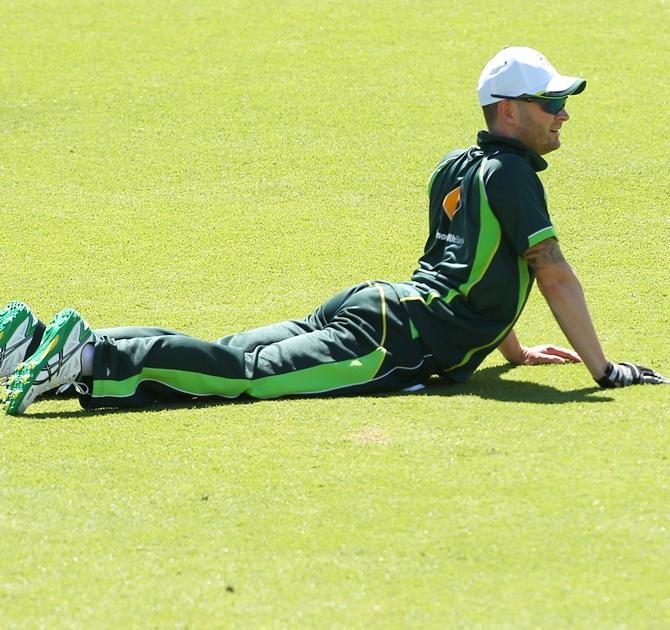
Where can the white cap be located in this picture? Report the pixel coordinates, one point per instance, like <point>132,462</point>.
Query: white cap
<point>521,71</point>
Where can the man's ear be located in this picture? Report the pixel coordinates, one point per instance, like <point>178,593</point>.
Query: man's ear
<point>507,112</point>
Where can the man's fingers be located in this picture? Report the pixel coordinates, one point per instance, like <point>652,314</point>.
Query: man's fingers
<point>624,374</point>
<point>548,358</point>
<point>539,358</point>
<point>538,355</point>
<point>550,354</point>
<point>566,353</point>
<point>647,375</point>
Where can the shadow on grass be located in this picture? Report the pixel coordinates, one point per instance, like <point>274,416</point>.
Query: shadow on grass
<point>485,383</point>
<point>202,403</point>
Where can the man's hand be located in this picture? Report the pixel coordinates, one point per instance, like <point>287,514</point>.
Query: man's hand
<point>515,353</point>
<point>624,374</point>
<point>539,355</point>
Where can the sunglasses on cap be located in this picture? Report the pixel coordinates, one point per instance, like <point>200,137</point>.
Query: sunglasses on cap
<point>547,103</point>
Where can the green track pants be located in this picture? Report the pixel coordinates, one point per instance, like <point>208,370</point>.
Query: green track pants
<point>361,340</point>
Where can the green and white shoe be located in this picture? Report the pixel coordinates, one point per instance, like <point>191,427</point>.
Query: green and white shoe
<point>18,326</point>
<point>56,362</point>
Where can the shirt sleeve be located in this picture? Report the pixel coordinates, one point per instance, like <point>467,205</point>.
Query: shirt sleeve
<point>516,196</point>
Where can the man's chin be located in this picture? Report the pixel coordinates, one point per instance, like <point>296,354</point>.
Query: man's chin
<point>551,147</point>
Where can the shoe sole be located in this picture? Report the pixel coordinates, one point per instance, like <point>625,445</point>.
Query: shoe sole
<point>12,317</point>
<point>22,386</point>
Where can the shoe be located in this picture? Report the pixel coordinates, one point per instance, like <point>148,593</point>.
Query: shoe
<point>18,326</point>
<point>56,362</point>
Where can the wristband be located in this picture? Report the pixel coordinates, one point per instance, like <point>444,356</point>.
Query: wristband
<point>604,381</point>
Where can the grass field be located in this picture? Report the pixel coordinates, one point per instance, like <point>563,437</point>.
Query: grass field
<point>212,166</point>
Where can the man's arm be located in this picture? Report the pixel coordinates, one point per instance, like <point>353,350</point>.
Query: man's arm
<point>562,290</point>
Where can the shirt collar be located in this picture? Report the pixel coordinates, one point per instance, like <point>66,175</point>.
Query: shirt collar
<point>490,142</point>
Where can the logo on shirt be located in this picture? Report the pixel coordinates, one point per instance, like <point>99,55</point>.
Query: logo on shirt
<point>450,238</point>
<point>452,202</point>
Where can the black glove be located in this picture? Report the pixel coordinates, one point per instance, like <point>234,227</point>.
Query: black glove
<point>623,374</point>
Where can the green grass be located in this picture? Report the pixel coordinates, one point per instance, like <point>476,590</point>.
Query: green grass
<point>213,166</point>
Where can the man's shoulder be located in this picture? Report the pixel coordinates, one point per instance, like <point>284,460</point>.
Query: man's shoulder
<point>507,167</point>
<point>450,166</point>
<point>452,156</point>
<point>510,181</point>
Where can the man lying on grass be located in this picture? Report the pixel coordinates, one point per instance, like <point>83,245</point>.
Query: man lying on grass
<point>490,237</point>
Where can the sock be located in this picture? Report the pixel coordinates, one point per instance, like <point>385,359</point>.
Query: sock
<point>87,353</point>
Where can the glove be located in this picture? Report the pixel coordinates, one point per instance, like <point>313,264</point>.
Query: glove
<point>624,374</point>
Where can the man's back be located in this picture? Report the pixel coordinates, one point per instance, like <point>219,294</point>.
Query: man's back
<point>486,206</point>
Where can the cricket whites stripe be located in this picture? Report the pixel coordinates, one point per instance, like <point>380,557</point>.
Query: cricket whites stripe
<point>311,380</point>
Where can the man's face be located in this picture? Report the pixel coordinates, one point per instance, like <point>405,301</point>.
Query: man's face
<point>537,129</point>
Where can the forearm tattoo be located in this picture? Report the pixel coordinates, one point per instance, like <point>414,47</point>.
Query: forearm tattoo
<point>544,254</point>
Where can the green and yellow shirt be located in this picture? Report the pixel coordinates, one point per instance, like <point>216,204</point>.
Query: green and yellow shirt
<point>487,207</point>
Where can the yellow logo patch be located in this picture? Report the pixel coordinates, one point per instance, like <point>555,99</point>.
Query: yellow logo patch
<point>451,202</point>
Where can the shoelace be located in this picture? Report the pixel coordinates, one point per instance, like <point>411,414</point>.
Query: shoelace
<point>81,388</point>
